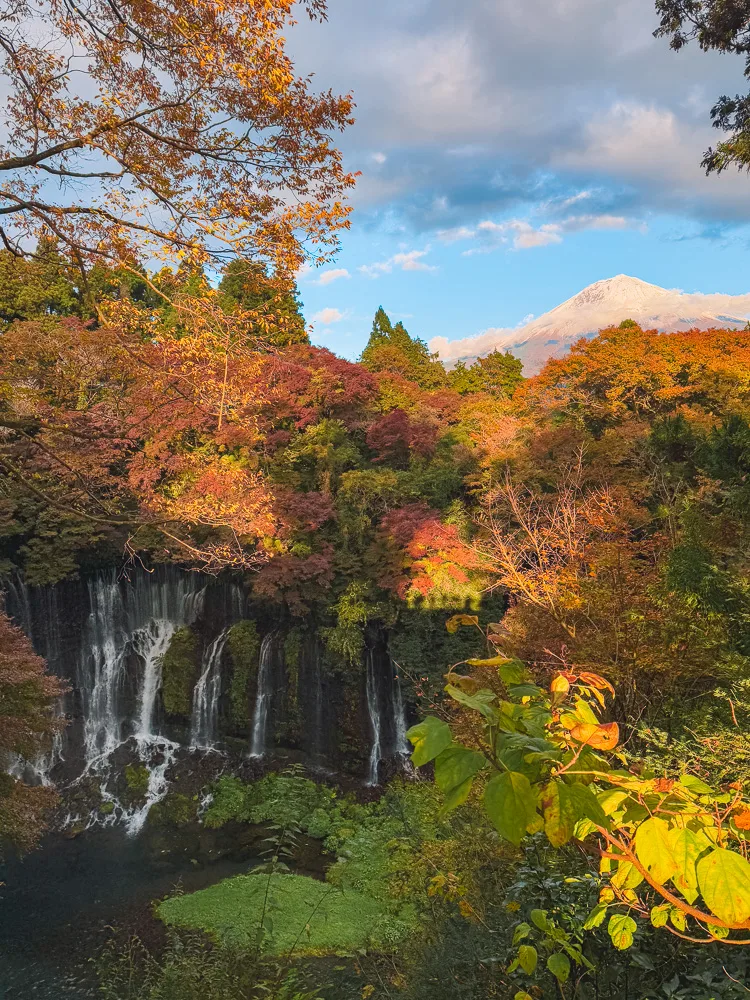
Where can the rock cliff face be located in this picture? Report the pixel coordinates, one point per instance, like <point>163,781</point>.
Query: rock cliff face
<point>605,303</point>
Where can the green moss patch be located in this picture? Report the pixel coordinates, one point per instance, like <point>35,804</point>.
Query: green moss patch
<point>243,643</point>
<point>299,914</point>
<point>180,668</point>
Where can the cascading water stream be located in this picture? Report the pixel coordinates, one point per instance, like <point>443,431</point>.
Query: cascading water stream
<point>400,724</point>
<point>103,668</point>
<point>373,711</point>
<point>205,715</point>
<point>127,622</point>
<point>262,697</point>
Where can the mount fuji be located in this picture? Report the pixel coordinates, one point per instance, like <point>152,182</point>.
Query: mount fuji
<point>605,303</point>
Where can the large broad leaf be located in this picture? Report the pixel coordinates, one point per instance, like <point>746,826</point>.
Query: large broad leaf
<point>596,917</point>
<point>564,805</point>
<point>603,736</point>
<point>621,929</point>
<point>429,738</point>
<point>480,702</point>
<point>528,958</point>
<point>724,882</point>
<point>627,876</point>
<point>611,800</point>
<point>687,847</point>
<point>510,803</point>
<point>695,785</point>
<point>653,848</point>
<point>455,768</point>
<point>514,672</point>
<point>559,966</point>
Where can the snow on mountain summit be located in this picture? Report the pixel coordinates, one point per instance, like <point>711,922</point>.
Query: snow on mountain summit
<point>605,303</point>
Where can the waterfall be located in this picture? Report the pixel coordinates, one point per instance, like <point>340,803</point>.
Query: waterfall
<point>140,619</point>
<point>400,724</point>
<point>103,661</point>
<point>150,644</point>
<point>131,621</point>
<point>262,697</point>
<point>373,711</point>
<point>158,785</point>
<point>205,716</point>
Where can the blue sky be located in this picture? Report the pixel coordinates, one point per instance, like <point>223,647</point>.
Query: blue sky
<point>512,152</point>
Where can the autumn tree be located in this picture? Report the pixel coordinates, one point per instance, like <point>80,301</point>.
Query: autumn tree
<point>178,134</point>
<point>27,725</point>
<point>155,131</point>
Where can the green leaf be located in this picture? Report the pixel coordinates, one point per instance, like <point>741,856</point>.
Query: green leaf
<point>687,847</point>
<point>522,995</point>
<point>678,918</point>
<point>528,958</point>
<point>586,713</point>
<point>564,805</point>
<point>513,672</point>
<point>429,738</point>
<point>519,691</point>
<point>724,882</point>
<point>621,929</point>
<point>611,800</point>
<point>653,849</point>
<point>522,931</point>
<point>596,917</point>
<point>660,915</point>
<point>627,876</point>
<point>539,919</point>
<point>479,702</point>
<point>559,966</point>
<point>695,785</point>
<point>455,768</point>
<point>510,803</point>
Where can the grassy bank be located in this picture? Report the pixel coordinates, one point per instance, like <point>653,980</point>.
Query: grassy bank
<point>283,913</point>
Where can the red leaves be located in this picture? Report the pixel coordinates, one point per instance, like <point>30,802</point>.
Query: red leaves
<point>307,383</point>
<point>426,558</point>
<point>396,435</point>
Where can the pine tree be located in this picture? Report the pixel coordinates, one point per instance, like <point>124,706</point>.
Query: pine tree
<point>392,348</point>
<point>246,286</point>
<point>380,335</point>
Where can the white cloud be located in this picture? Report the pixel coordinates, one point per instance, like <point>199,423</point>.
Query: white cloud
<point>520,234</point>
<point>333,275</point>
<point>455,234</point>
<point>650,148</point>
<point>410,260</point>
<point>327,316</point>
<point>379,158</point>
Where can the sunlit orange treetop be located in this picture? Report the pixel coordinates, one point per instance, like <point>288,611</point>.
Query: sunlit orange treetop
<point>175,128</point>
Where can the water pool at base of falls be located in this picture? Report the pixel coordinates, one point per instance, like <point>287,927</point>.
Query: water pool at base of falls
<point>58,904</point>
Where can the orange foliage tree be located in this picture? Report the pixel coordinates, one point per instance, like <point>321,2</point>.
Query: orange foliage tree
<point>155,130</point>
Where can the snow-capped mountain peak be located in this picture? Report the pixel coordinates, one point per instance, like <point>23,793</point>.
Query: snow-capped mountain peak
<point>605,303</point>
